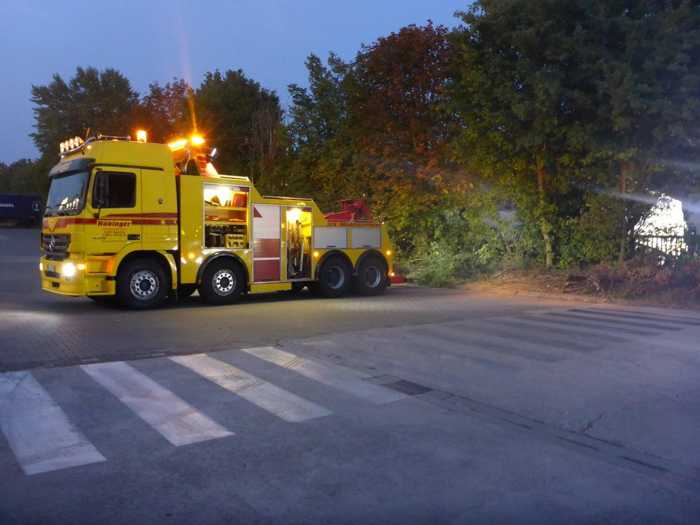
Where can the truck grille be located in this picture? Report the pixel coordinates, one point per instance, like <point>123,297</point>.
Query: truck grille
<point>55,246</point>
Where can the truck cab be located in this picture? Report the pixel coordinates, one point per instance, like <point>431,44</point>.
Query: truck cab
<point>140,222</point>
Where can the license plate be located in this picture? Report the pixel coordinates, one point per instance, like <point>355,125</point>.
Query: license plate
<point>51,268</point>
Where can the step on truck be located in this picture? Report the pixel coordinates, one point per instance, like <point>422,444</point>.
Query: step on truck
<point>141,222</point>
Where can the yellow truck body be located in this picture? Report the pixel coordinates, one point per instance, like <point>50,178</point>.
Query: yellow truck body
<point>123,206</point>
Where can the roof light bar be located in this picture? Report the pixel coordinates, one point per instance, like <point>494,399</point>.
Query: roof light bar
<point>70,144</point>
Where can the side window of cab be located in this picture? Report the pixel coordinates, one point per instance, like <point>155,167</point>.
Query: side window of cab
<point>114,189</point>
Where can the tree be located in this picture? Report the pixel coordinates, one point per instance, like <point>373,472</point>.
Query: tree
<point>243,120</point>
<point>165,111</point>
<point>318,132</point>
<point>99,101</point>
<point>396,94</point>
<point>649,100</point>
<point>24,176</point>
<point>319,112</point>
<point>524,87</point>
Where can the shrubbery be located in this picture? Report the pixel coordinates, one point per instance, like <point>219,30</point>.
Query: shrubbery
<point>643,277</point>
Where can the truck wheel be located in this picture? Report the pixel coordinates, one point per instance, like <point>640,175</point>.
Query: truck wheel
<point>141,284</point>
<point>223,282</point>
<point>372,277</point>
<point>335,277</point>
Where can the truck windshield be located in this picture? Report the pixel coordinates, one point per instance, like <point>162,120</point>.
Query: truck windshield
<point>67,194</point>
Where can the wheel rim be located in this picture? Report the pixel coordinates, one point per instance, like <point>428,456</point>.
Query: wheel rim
<point>144,285</point>
<point>335,277</point>
<point>224,282</point>
<point>372,277</point>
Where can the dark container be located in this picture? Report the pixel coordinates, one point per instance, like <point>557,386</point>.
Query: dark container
<point>22,209</point>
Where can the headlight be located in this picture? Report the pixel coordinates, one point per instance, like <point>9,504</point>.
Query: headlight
<point>68,270</point>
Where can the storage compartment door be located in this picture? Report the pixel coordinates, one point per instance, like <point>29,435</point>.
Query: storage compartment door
<point>266,243</point>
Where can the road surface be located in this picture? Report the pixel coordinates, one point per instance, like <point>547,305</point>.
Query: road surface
<point>421,406</point>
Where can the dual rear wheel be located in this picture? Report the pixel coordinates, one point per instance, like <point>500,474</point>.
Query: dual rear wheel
<point>335,277</point>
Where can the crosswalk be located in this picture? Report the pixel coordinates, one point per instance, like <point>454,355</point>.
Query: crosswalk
<point>38,431</point>
<point>173,418</point>
<point>43,437</point>
<point>283,404</point>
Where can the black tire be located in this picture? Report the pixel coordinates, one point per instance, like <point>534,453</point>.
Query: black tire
<point>334,277</point>
<point>223,282</point>
<point>142,283</point>
<point>372,276</point>
<point>186,290</point>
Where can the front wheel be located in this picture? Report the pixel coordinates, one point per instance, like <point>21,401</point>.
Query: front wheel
<point>223,282</point>
<point>142,284</point>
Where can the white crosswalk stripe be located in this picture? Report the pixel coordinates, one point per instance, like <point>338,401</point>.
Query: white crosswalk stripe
<point>338,377</point>
<point>277,401</point>
<point>36,428</point>
<point>176,420</point>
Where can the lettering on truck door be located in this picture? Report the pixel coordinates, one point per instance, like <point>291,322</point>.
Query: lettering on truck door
<point>116,204</point>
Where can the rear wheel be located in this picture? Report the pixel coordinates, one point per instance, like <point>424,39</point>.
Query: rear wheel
<point>141,284</point>
<point>372,276</point>
<point>335,277</point>
<point>222,282</point>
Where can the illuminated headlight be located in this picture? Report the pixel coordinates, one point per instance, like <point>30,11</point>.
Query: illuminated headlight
<point>41,266</point>
<point>69,270</point>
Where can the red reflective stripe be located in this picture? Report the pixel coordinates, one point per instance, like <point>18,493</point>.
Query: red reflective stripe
<point>144,215</point>
<point>63,222</point>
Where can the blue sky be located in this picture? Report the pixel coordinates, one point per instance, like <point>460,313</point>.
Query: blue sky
<point>157,40</point>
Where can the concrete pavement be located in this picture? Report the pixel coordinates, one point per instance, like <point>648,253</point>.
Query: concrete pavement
<point>422,406</point>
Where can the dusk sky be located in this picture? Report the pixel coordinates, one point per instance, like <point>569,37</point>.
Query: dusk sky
<point>158,40</point>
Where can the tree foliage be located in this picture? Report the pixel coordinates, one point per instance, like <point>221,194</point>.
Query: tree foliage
<point>99,101</point>
<point>165,111</point>
<point>520,136</point>
<point>245,121</point>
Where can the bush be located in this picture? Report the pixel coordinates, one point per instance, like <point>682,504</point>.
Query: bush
<point>594,236</point>
<point>644,277</point>
<point>458,242</point>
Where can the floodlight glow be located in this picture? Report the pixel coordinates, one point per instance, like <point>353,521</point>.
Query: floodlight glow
<point>177,144</point>
<point>69,270</point>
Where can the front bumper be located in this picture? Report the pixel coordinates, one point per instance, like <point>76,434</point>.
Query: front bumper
<point>85,281</point>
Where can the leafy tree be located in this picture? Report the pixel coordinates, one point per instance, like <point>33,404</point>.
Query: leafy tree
<point>318,112</point>
<point>318,132</point>
<point>649,101</point>
<point>165,111</point>
<point>243,120</point>
<point>396,92</point>
<point>24,176</point>
<point>100,101</point>
<point>523,78</point>
<point>374,128</point>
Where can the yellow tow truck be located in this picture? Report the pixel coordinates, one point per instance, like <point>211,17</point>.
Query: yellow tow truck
<point>142,222</point>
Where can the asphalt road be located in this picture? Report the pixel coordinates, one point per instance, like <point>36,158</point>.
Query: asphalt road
<point>421,406</point>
